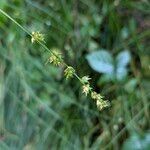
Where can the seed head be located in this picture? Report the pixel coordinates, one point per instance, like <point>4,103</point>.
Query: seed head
<point>101,104</point>
<point>37,36</point>
<point>56,58</point>
<point>96,96</point>
<point>85,79</point>
<point>69,72</point>
<point>86,89</point>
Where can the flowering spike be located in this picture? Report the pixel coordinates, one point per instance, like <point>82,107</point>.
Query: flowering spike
<point>69,72</point>
<point>86,89</point>
<point>37,36</point>
<point>85,79</point>
<point>102,104</point>
<point>56,58</point>
<point>99,100</point>
<point>96,96</point>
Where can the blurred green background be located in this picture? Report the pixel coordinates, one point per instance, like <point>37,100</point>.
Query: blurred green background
<point>106,39</point>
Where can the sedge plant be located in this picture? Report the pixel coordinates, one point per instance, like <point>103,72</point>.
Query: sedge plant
<point>56,59</point>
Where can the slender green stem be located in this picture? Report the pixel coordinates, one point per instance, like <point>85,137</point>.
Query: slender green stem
<point>8,16</point>
<point>39,42</point>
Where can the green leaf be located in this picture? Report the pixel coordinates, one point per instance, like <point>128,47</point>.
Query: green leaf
<point>122,60</point>
<point>121,73</point>
<point>101,61</point>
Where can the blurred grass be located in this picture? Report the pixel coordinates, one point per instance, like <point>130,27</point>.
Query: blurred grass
<point>39,109</point>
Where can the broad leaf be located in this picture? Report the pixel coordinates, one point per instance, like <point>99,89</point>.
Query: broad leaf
<point>121,73</point>
<point>123,58</point>
<point>101,61</point>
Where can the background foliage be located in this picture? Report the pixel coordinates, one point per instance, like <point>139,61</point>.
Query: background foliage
<point>109,40</point>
